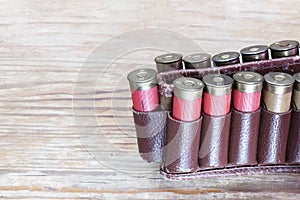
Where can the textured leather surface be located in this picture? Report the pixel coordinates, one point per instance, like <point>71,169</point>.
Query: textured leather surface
<point>273,136</point>
<point>268,154</point>
<point>243,137</point>
<point>293,149</point>
<point>150,130</point>
<point>182,146</point>
<point>214,141</point>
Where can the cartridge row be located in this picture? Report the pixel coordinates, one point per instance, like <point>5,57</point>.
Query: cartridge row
<point>173,61</point>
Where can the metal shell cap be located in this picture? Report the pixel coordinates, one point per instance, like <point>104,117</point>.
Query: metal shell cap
<point>248,82</point>
<point>188,88</point>
<point>284,48</point>
<point>279,82</point>
<point>218,84</point>
<point>279,78</point>
<point>225,57</point>
<point>168,58</point>
<point>142,79</point>
<point>284,45</point>
<point>196,57</point>
<point>253,50</point>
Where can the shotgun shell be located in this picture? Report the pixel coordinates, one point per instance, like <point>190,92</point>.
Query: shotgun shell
<point>187,99</point>
<point>247,91</point>
<point>277,91</point>
<point>143,85</point>
<point>217,94</point>
<point>255,53</point>
<point>296,92</point>
<point>168,62</point>
<point>284,48</point>
<point>197,61</point>
<point>226,58</point>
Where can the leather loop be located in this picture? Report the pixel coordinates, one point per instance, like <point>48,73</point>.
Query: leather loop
<point>214,141</point>
<point>273,136</point>
<point>243,137</point>
<point>150,130</point>
<point>293,149</point>
<point>182,146</point>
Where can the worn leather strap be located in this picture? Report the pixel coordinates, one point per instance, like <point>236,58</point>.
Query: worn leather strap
<point>243,138</point>
<point>151,133</point>
<point>273,136</point>
<point>182,146</point>
<point>214,141</point>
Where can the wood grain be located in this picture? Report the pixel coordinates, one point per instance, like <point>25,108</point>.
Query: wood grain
<point>65,137</point>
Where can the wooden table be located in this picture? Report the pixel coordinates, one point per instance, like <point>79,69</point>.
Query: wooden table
<point>65,120</point>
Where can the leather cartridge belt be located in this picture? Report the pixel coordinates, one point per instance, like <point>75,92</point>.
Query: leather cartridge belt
<point>233,144</point>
